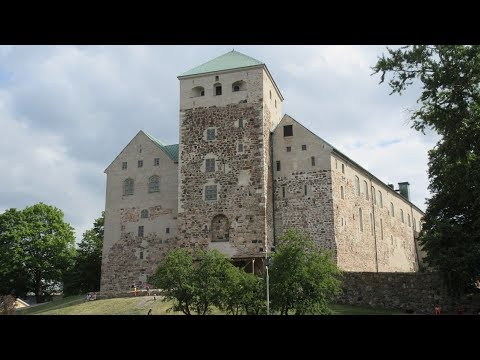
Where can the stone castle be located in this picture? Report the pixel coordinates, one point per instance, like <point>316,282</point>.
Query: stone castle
<point>241,174</point>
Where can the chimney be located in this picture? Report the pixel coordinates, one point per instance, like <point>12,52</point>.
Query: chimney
<point>390,186</point>
<point>404,189</point>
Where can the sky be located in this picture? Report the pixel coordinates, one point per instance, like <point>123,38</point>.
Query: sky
<point>67,111</point>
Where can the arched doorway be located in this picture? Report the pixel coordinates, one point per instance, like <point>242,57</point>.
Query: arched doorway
<point>220,228</point>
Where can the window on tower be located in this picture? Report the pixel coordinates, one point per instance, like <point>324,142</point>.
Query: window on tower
<point>211,134</point>
<point>288,130</point>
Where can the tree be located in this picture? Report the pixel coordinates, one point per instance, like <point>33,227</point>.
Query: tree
<point>84,275</point>
<point>303,277</point>
<point>40,246</point>
<point>243,293</point>
<point>450,105</point>
<point>196,283</point>
<point>175,277</point>
<point>13,274</point>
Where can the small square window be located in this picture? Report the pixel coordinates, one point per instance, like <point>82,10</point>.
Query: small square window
<point>124,165</point>
<point>304,147</point>
<point>210,134</point>
<point>216,78</point>
<point>167,230</point>
<point>289,148</point>
<point>211,192</point>
<point>156,161</point>
<point>288,130</point>
<point>140,163</point>
<point>210,165</point>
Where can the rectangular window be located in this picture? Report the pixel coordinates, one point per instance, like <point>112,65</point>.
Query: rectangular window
<point>140,231</point>
<point>218,90</point>
<point>380,200</point>
<point>288,130</point>
<point>312,159</point>
<point>401,216</point>
<point>357,185</point>
<point>374,196</point>
<point>141,255</point>
<point>124,165</point>
<point>167,230</point>
<point>342,195</point>
<point>283,191</point>
<point>211,192</point>
<point>210,134</point>
<point>360,218</point>
<point>210,165</point>
<point>140,163</point>
<point>366,189</point>
<point>278,165</point>
<point>289,148</point>
<point>343,169</point>
<point>240,123</point>
<point>304,147</point>
<point>306,190</point>
<point>156,161</point>
<point>392,209</point>
<point>240,147</point>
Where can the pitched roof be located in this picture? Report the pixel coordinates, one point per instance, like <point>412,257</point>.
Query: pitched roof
<point>230,60</point>
<point>170,150</point>
<point>339,153</point>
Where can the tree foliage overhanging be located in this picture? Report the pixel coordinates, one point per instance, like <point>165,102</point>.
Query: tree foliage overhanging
<point>450,105</point>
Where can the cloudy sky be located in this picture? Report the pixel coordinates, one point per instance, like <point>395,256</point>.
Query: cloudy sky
<point>67,111</point>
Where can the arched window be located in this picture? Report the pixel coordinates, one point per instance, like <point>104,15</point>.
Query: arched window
<point>374,196</point>
<point>220,228</point>
<point>357,185</point>
<point>380,200</point>
<point>154,184</point>
<point>392,210</point>
<point>341,192</point>
<point>343,169</point>
<point>197,91</point>
<point>366,189</point>
<point>401,215</point>
<point>128,187</point>
<point>238,86</point>
<point>144,214</point>
<point>218,89</point>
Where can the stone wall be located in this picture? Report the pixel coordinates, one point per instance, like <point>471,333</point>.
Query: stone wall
<point>418,292</point>
<point>126,257</point>
<point>310,211</point>
<point>239,177</point>
<point>383,241</point>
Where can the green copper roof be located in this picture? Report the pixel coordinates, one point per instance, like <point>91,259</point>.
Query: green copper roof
<point>170,150</point>
<point>230,60</point>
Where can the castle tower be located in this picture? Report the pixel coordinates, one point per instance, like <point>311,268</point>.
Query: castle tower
<point>228,107</point>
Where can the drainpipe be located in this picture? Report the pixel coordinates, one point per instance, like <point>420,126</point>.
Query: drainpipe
<point>374,227</point>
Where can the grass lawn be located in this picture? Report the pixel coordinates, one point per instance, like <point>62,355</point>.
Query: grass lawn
<point>75,305</point>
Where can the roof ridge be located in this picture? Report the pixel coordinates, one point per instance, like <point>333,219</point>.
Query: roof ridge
<point>230,60</point>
